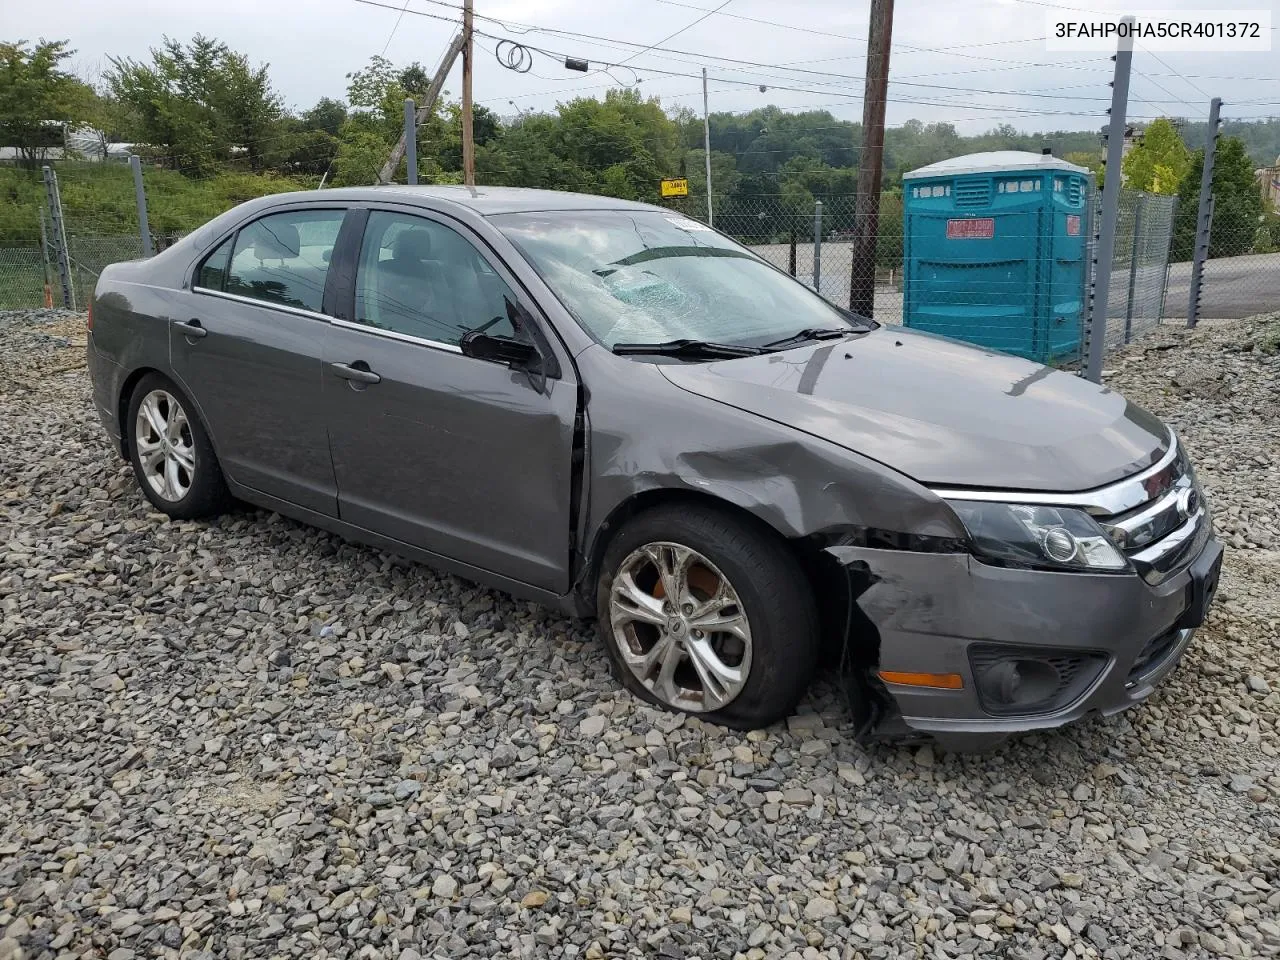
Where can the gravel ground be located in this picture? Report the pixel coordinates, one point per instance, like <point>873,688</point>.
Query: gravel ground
<point>252,739</point>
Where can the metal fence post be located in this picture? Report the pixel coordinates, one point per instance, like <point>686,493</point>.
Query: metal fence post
<point>817,247</point>
<point>58,228</point>
<point>1133,266</point>
<point>1204,214</point>
<point>1110,205</point>
<point>791,254</point>
<point>1168,255</point>
<point>144,225</point>
<point>411,139</point>
<point>44,259</point>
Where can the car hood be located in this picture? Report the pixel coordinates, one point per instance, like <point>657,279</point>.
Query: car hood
<point>940,411</point>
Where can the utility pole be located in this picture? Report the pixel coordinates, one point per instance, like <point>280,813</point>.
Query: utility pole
<point>468,130</point>
<point>1104,252</point>
<point>410,137</point>
<point>1204,214</point>
<point>866,215</point>
<point>706,146</point>
<point>424,111</point>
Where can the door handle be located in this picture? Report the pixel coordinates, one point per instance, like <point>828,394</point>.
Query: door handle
<point>354,373</point>
<point>192,328</point>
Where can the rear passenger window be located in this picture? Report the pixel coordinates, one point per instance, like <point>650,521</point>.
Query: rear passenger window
<point>283,258</point>
<point>213,272</point>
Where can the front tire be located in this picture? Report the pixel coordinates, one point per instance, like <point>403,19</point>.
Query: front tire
<point>708,613</point>
<point>172,457</point>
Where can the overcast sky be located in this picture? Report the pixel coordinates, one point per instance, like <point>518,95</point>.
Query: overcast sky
<point>992,50</point>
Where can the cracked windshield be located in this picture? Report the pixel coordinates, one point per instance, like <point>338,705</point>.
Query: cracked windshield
<point>652,277</point>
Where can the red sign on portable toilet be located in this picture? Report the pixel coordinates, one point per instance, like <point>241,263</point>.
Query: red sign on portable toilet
<point>981,228</point>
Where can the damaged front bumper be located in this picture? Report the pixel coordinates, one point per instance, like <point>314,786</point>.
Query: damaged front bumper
<point>1022,649</point>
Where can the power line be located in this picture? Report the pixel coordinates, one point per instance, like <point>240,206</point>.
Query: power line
<point>755,66</point>
<point>1162,63</point>
<point>555,55</point>
<point>511,27</point>
<point>672,36</point>
<point>394,28</point>
<point>516,27</point>
<point>951,51</point>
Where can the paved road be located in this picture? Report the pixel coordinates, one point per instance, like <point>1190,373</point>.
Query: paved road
<point>1233,287</point>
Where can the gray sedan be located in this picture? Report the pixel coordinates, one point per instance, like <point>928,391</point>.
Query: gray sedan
<point>614,410</point>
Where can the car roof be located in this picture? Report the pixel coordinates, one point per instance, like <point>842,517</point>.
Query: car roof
<point>486,201</point>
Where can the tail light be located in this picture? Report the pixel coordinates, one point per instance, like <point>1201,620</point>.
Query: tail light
<point>88,320</point>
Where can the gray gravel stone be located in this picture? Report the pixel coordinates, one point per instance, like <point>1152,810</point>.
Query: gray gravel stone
<point>203,754</point>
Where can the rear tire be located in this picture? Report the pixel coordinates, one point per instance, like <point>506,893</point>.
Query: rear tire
<point>172,457</point>
<point>741,644</point>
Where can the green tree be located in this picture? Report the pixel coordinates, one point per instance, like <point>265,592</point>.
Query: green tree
<point>1159,162</point>
<point>37,97</point>
<point>359,157</point>
<point>198,104</point>
<point>1091,160</point>
<point>1238,206</point>
<point>327,115</point>
<point>627,143</point>
<point>377,94</point>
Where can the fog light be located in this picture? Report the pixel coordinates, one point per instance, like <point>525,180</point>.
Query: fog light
<point>1021,680</point>
<point>1019,683</point>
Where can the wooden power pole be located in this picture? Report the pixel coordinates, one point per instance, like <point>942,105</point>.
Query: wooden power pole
<point>468,130</point>
<point>424,109</point>
<point>866,215</point>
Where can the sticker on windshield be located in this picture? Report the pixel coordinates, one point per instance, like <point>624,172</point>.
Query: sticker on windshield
<point>686,224</point>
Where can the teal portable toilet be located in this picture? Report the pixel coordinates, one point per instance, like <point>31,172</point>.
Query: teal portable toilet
<point>994,251</point>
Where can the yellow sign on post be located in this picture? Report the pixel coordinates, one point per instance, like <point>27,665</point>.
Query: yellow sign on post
<point>678,187</point>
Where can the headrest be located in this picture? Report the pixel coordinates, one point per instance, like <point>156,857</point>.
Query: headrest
<point>412,244</point>
<point>275,241</point>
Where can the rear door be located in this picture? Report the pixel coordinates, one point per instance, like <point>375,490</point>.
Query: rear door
<point>467,458</point>
<point>249,352</point>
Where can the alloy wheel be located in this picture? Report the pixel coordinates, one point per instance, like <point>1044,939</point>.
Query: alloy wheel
<point>680,627</point>
<point>166,448</point>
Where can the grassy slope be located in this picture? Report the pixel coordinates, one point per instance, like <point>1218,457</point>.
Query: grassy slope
<point>98,199</point>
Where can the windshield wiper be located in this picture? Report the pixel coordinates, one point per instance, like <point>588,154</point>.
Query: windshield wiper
<point>810,333</point>
<point>685,347</point>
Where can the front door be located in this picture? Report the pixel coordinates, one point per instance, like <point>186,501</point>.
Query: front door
<point>463,457</point>
<point>248,350</point>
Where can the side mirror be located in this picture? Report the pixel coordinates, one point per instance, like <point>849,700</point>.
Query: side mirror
<point>516,353</point>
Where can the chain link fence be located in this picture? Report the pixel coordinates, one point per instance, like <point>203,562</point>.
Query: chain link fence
<point>810,239</point>
<point>1139,266</point>
<point>89,255</point>
<point>1241,278</point>
<point>22,277</point>
<point>813,240</point>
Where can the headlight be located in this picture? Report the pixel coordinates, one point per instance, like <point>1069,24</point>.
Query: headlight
<point>1026,535</point>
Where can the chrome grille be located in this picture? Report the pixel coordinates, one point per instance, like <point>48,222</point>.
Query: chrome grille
<point>1160,532</point>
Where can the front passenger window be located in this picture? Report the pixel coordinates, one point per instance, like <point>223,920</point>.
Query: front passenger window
<point>284,258</point>
<point>422,279</point>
